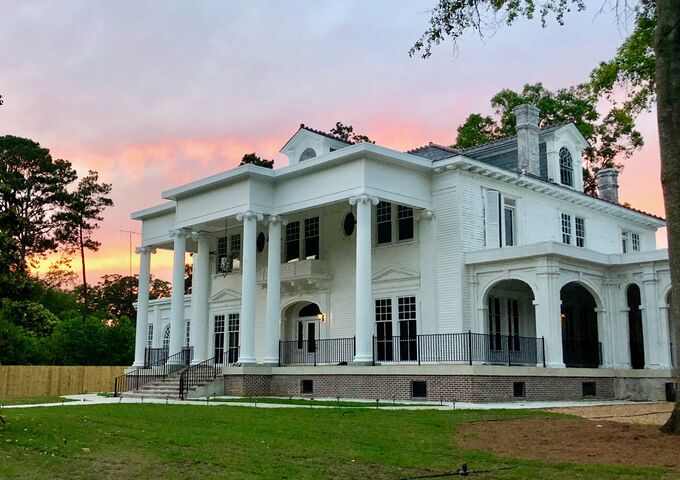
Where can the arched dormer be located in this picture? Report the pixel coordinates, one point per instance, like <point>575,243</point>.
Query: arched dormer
<point>564,155</point>
<point>308,143</point>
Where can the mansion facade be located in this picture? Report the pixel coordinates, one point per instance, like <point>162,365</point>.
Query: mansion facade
<point>362,271</point>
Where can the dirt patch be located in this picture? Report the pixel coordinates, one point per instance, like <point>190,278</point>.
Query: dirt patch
<point>642,413</point>
<point>574,440</point>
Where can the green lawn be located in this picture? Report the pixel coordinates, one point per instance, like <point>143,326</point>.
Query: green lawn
<point>191,441</point>
<point>311,402</point>
<point>34,400</point>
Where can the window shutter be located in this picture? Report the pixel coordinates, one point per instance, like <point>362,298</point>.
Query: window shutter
<point>492,221</point>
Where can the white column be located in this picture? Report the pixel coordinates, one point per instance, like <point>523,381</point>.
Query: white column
<point>142,303</point>
<point>200,290</point>
<point>428,322</point>
<point>657,351</point>
<point>272,330</point>
<point>248,286</point>
<point>549,315</point>
<point>177,332</point>
<point>364,294</point>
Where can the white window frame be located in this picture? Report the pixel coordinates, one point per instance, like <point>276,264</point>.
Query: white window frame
<point>394,225</point>
<point>573,233</point>
<point>149,336</point>
<point>635,241</point>
<point>566,220</point>
<point>580,238</point>
<point>572,168</point>
<point>504,202</point>
<point>508,203</point>
<point>302,253</point>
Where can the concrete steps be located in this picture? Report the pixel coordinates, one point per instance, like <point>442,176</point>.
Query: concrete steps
<point>167,388</point>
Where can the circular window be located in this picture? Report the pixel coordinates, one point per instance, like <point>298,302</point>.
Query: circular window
<point>260,242</point>
<point>348,224</point>
<point>307,154</point>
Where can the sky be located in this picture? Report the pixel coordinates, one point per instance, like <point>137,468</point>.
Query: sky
<point>154,94</point>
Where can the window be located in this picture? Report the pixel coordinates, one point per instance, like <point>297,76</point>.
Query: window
<point>419,389</point>
<point>219,338</point>
<point>566,168</point>
<point>149,337</point>
<point>635,241</point>
<point>384,217</point>
<point>495,342</point>
<point>513,324</point>
<point>509,221</point>
<point>188,334</point>
<point>566,229</point>
<point>228,253</point>
<point>293,241</point>
<point>589,389</point>
<point>307,154</point>
<point>261,240</point>
<point>408,340</point>
<point>624,242</point>
<point>383,327</point>
<point>580,230</point>
<point>405,222</point>
<point>233,332</point>
<point>312,238</point>
<point>349,224</point>
<point>307,386</point>
<point>519,389</point>
<point>166,337</point>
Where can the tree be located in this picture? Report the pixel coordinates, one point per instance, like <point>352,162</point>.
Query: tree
<point>33,191</point>
<point>252,159</point>
<point>81,218</point>
<point>612,137</point>
<point>114,295</point>
<point>346,133</point>
<point>188,278</point>
<point>452,18</point>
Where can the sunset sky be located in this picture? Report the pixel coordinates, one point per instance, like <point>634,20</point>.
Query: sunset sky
<point>156,94</point>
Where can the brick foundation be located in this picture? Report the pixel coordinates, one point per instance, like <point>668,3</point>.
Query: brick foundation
<point>465,388</point>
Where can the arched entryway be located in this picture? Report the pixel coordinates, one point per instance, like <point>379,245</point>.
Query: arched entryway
<point>301,329</point>
<point>580,341</point>
<point>635,335</point>
<point>511,323</point>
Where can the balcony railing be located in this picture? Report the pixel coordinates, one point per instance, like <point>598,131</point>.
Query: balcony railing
<point>333,351</point>
<point>467,347</point>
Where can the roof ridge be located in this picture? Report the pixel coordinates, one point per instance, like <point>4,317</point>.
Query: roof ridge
<point>325,134</point>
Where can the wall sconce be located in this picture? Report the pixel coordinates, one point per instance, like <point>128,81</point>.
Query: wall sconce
<point>321,317</point>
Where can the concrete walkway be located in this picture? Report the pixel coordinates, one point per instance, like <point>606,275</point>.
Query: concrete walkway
<point>94,399</point>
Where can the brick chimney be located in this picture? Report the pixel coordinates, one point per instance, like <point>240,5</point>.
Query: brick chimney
<point>527,139</point>
<point>608,184</point>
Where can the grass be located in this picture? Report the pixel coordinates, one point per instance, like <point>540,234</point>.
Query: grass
<point>192,441</point>
<point>311,402</point>
<point>34,400</point>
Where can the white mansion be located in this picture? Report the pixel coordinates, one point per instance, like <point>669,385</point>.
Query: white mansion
<point>362,271</point>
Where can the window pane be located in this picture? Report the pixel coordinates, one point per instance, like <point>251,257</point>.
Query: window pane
<point>566,167</point>
<point>580,232</point>
<point>292,241</point>
<point>635,240</point>
<point>509,227</point>
<point>384,216</point>
<point>312,237</point>
<point>222,266</point>
<point>235,251</point>
<point>383,329</point>
<point>624,241</point>
<point>566,229</point>
<point>405,218</point>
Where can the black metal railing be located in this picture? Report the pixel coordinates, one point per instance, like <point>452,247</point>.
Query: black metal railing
<point>198,374</point>
<point>460,348</point>
<point>153,355</point>
<point>231,355</point>
<point>156,371</point>
<point>335,351</point>
<point>581,353</point>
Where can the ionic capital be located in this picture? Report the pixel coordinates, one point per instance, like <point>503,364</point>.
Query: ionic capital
<point>199,235</point>
<point>426,215</point>
<point>249,215</point>
<point>145,250</point>
<point>363,198</point>
<point>276,219</point>
<point>180,233</point>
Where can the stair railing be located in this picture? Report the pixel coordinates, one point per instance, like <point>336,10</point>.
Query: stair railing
<point>158,370</point>
<point>200,373</point>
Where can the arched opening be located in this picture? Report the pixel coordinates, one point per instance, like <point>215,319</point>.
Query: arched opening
<point>511,323</point>
<point>635,335</point>
<point>301,330</point>
<point>580,343</point>
<point>672,329</point>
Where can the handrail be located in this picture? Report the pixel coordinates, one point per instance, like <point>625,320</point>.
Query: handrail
<point>202,372</point>
<point>158,369</point>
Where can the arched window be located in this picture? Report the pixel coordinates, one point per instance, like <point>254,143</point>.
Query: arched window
<point>566,168</point>
<point>166,337</point>
<point>307,154</point>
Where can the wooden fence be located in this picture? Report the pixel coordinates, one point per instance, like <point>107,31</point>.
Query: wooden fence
<point>44,380</point>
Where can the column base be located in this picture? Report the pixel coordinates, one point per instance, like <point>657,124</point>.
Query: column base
<point>271,361</point>
<point>362,360</point>
<point>247,361</point>
<point>555,365</point>
<point>137,365</point>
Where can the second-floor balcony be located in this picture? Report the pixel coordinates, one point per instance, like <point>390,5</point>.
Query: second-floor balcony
<point>308,273</point>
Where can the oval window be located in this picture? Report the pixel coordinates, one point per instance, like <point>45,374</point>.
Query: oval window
<point>260,242</point>
<point>349,223</point>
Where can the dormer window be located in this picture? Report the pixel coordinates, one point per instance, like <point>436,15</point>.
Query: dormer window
<point>307,154</point>
<point>566,168</point>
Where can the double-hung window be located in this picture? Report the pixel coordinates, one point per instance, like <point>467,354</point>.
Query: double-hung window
<point>566,229</point>
<point>228,253</point>
<point>387,228</point>
<point>384,217</point>
<point>309,247</point>
<point>500,219</point>
<point>149,336</point>
<point>405,222</point>
<point>383,329</point>
<point>630,241</point>
<point>312,238</point>
<point>635,241</point>
<point>573,230</point>
<point>580,230</point>
<point>508,222</point>
<point>292,241</point>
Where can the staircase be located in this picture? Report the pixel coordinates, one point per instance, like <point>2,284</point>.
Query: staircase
<point>167,387</point>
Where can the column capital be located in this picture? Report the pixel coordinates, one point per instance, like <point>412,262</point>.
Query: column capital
<point>180,233</point>
<point>145,249</point>
<point>274,219</point>
<point>249,215</point>
<point>426,214</point>
<point>363,198</point>
<point>197,235</point>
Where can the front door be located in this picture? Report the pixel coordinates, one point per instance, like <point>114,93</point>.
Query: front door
<point>306,334</point>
